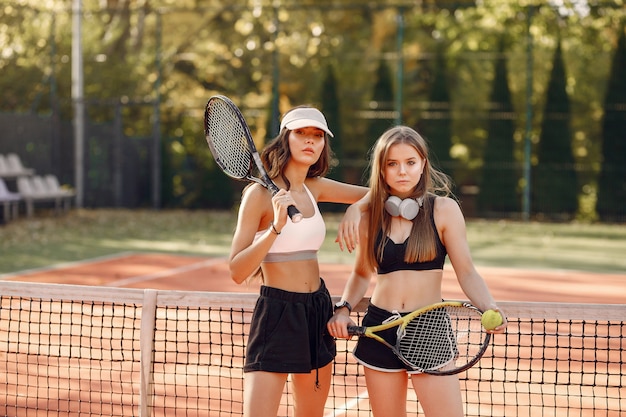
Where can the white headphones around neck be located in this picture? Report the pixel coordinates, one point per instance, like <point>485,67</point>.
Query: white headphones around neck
<point>407,208</point>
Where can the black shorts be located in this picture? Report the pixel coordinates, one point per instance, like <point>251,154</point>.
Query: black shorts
<point>375,355</point>
<point>288,332</point>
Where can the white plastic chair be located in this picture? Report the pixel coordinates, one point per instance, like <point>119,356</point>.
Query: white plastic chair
<point>40,187</point>
<point>34,189</point>
<point>53,186</point>
<point>4,168</point>
<point>15,166</point>
<point>10,202</point>
<point>25,188</point>
<point>64,196</point>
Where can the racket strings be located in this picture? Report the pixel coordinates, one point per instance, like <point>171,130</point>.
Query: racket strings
<point>227,139</point>
<point>441,338</point>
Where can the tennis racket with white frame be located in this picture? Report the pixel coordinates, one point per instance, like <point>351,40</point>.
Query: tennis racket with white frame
<point>440,339</point>
<point>233,148</point>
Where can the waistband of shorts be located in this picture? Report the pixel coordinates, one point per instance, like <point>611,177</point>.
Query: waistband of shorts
<point>290,296</point>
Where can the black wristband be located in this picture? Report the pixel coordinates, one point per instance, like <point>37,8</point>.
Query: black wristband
<point>343,304</point>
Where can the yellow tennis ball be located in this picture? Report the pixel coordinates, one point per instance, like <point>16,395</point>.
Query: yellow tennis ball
<point>491,319</point>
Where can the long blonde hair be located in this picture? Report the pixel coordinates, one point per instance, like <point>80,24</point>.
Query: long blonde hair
<point>421,244</point>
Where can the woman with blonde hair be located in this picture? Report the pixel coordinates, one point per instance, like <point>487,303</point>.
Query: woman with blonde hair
<point>408,227</point>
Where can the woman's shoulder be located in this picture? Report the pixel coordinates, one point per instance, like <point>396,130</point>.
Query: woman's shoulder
<point>446,210</point>
<point>314,182</point>
<point>444,202</point>
<point>256,193</point>
<point>316,185</point>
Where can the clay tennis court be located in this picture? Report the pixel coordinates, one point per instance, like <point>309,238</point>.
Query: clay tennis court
<point>192,273</point>
<point>166,272</point>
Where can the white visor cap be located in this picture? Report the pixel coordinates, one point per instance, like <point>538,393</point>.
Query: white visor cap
<point>305,117</point>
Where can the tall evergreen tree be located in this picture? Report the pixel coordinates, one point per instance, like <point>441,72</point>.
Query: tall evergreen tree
<point>272,125</point>
<point>437,130</point>
<point>498,187</point>
<point>554,184</point>
<point>330,107</point>
<point>383,95</point>
<point>612,181</point>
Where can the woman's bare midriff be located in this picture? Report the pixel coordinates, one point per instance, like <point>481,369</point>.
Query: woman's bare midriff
<point>405,291</point>
<point>294,276</point>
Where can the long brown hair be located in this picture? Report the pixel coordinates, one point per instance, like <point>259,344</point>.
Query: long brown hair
<point>276,154</point>
<point>421,244</point>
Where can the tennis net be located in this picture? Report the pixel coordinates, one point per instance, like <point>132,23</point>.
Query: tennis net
<point>93,351</point>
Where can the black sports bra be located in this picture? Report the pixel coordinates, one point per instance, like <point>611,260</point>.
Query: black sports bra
<point>393,255</point>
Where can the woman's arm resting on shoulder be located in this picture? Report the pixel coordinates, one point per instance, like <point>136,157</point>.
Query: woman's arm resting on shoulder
<point>348,230</point>
<point>331,191</point>
<point>451,223</point>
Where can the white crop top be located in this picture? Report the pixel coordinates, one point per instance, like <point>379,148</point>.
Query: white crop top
<point>298,241</point>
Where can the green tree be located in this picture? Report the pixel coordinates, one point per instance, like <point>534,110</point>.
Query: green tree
<point>612,180</point>
<point>499,177</point>
<point>554,184</point>
<point>331,109</point>
<point>216,47</point>
<point>272,124</point>
<point>383,97</point>
<point>437,129</point>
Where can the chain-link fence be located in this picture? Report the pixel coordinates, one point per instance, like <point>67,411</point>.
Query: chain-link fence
<point>431,65</point>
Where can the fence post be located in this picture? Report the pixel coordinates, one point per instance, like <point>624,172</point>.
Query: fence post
<point>146,343</point>
<point>78,100</point>
<point>529,116</point>
<point>156,152</point>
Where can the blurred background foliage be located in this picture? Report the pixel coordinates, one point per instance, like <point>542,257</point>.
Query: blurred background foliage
<point>476,77</point>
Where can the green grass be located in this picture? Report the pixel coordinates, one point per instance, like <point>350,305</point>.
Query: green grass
<point>83,234</point>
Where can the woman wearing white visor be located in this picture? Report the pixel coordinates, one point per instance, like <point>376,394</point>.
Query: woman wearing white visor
<point>288,334</point>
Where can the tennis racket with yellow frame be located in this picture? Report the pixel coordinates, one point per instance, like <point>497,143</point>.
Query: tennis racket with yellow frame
<point>440,339</point>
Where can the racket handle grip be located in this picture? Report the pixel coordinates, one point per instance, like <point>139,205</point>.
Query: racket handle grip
<point>292,211</point>
<point>294,214</point>
<point>356,330</point>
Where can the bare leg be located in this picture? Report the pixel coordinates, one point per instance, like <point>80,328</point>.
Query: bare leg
<point>308,399</point>
<point>387,392</point>
<point>262,392</point>
<point>440,396</point>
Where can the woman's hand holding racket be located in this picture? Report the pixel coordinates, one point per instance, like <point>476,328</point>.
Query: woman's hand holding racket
<point>339,324</point>
<point>281,202</point>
